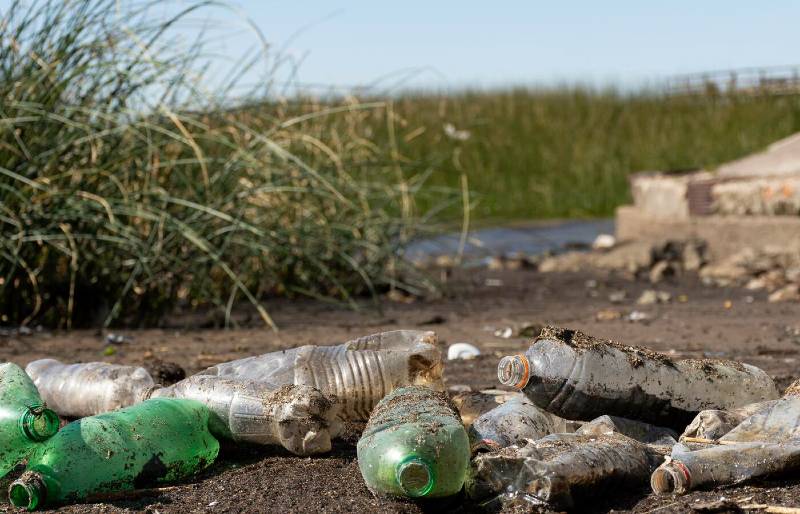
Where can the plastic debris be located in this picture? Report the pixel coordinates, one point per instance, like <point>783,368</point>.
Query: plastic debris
<point>414,446</point>
<point>78,390</point>
<point>642,432</point>
<point>24,421</point>
<point>558,470</point>
<point>576,376</point>
<point>514,422</point>
<point>712,424</point>
<point>299,418</point>
<point>359,372</point>
<point>471,404</point>
<point>604,242</point>
<point>458,351</point>
<point>156,441</point>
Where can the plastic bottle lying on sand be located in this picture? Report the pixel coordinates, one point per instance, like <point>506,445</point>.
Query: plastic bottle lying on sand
<point>637,430</point>
<point>472,404</point>
<point>576,376</point>
<point>359,372</point>
<point>712,424</point>
<point>514,422</point>
<point>24,421</point>
<point>78,390</point>
<point>299,418</point>
<point>559,469</point>
<point>414,445</point>
<point>155,441</point>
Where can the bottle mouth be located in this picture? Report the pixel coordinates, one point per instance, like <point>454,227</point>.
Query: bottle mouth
<point>671,477</point>
<point>415,477</point>
<point>514,371</point>
<point>28,491</point>
<point>39,423</point>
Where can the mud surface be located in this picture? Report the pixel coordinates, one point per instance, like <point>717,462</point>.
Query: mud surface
<point>713,323</point>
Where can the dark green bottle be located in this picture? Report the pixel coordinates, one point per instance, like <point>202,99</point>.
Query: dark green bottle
<point>155,441</point>
<point>24,421</point>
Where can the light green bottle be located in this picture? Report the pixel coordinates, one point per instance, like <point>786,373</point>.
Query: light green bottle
<point>24,421</point>
<point>155,441</point>
<point>414,445</point>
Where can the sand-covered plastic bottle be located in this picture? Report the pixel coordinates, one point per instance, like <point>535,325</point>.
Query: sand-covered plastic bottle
<point>576,376</point>
<point>24,420</point>
<point>414,446</point>
<point>156,441</point>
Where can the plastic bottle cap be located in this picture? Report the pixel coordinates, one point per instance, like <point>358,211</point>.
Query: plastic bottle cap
<point>28,491</point>
<point>415,477</point>
<point>38,423</point>
<point>514,371</point>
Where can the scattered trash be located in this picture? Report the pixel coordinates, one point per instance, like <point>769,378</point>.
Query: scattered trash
<point>651,296</point>
<point>358,373</point>
<point>637,430</point>
<point>576,376</point>
<point>414,445</point>
<point>559,470</point>
<point>514,422</point>
<point>156,441</point>
<point>24,421</point>
<point>299,418</point>
<point>458,351</point>
<point>604,242</point>
<point>78,390</point>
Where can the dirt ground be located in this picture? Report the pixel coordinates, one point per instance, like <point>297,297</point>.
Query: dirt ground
<point>704,321</point>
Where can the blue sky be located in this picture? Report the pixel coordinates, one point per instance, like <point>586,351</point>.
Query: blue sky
<point>454,44</point>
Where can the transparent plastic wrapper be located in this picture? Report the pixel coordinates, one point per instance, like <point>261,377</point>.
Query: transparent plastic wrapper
<point>576,376</point>
<point>156,441</point>
<point>86,389</point>
<point>514,422</point>
<point>719,465</point>
<point>24,420</point>
<point>560,470</point>
<point>472,404</point>
<point>359,372</point>
<point>299,418</point>
<point>638,430</point>
<point>414,446</point>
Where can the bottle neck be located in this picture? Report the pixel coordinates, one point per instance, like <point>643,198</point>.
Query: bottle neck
<point>28,491</point>
<point>415,477</point>
<point>514,371</point>
<point>38,423</point>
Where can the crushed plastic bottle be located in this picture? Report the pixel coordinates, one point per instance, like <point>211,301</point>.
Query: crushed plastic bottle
<point>774,422</point>
<point>689,469</point>
<point>300,418</point>
<point>156,441</point>
<point>414,445</point>
<point>78,390</point>
<point>472,404</point>
<point>712,424</point>
<point>514,422</point>
<point>24,420</point>
<point>559,469</point>
<point>359,372</point>
<point>637,430</point>
<point>576,376</point>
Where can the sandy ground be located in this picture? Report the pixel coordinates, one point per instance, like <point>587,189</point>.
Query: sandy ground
<point>713,322</point>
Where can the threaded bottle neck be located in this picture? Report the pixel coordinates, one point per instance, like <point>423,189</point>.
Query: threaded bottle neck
<point>415,477</point>
<point>514,371</point>
<point>38,423</point>
<point>28,491</point>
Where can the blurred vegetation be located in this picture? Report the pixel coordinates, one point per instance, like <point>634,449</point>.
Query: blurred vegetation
<point>127,190</point>
<point>567,153</point>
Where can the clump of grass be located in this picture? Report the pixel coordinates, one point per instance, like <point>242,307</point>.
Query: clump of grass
<point>565,153</point>
<point>127,191</point>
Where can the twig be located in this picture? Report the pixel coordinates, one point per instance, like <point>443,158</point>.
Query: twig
<point>707,441</point>
<point>772,509</point>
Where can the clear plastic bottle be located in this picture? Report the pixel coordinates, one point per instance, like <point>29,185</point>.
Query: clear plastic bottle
<point>576,376</point>
<point>24,421</point>
<point>714,423</point>
<point>359,372</point>
<point>559,469</point>
<point>86,389</point>
<point>156,441</point>
<point>514,422</point>
<point>299,418</point>
<point>414,445</point>
<point>638,430</point>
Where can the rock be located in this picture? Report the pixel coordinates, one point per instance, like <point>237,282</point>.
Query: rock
<point>652,296</point>
<point>604,242</point>
<point>693,256</point>
<point>789,293</point>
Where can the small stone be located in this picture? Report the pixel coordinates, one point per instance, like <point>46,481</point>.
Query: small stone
<point>651,296</point>
<point>608,315</point>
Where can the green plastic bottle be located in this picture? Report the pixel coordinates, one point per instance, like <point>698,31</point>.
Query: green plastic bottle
<point>24,421</point>
<point>414,445</point>
<point>155,441</point>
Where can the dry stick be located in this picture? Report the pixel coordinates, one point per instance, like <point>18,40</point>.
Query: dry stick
<point>706,441</point>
